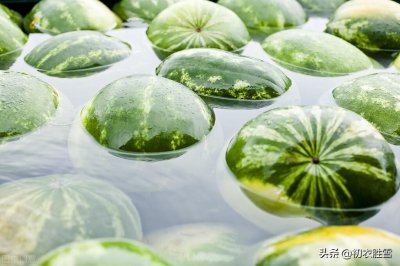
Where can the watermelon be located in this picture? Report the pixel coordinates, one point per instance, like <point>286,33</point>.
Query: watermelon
<point>26,103</point>
<point>264,17</point>
<point>103,252</point>
<point>198,244</point>
<point>77,54</point>
<point>376,97</point>
<point>321,7</point>
<point>58,16</point>
<point>197,24</point>
<point>315,53</point>
<point>316,247</point>
<point>40,214</point>
<point>147,114</point>
<point>224,78</point>
<point>12,39</point>
<point>316,162</point>
<point>11,14</point>
<point>368,24</point>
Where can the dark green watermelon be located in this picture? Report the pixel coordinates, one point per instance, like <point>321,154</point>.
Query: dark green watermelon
<point>77,54</point>
<point>317,162</point>
<point>226,79</point>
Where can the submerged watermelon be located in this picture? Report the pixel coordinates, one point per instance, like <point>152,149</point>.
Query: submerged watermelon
<point>26,103</point>
<point>369,24</point>
<point>375,97</point>
<point>197,24</point>
<point>263,17</point>
<point>40,214</point>
<point>297,160</point>
<point>218,75</point>
<point>143,114</point>
<point>12,39</point>
<point>58,16</point>
<point>321,7</point>
<point>103,252</point>
<point>306,248</point>
<point>77,54</point>
<point>315,53</point>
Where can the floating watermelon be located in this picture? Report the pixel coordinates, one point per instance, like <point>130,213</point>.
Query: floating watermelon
<point>197,24</point>
<point>147,114</point>
<point>321,7</point>
<point>368,24</point>
<point>325,163</point>
<point>40,214</point>
<point>226,79</point>
<point>103,252</point>
<point>315,53</point>
<point>263,17</point>
<point>26,103</point>
<point>58,16</point>
<point>12,39</point>
<point>77,54</point>
<point>355,245</point>
<point>375,97</point>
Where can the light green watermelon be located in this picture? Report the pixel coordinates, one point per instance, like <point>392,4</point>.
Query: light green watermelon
<point>12,39</point>
<point>321,7</point>
<point>147,114</point>
<point>315,247</point>
<point>77,54</point>
<point>368,24</point>
<point>264,17</point>
<point>375,97</point>
<point>40,214</point>
<point>315,53</point>
<point>11,14</point>
<point>317,162</point>
<point>103,252</point>
<point>197,24</point>
<point>224,78</point>
<point>198,244</point>
<point>26,103</point>
<point>58,16</point>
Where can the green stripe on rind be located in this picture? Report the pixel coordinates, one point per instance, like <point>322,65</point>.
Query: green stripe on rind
<point>376,98</point>
<point>12,39</point>
<point>55,17</point>
<point>40,214</point>
<point>197,24</point>
<point>11,14</point>
<point>223,74</point>
<point>315,53</point>
<point>267,16</point>
<point>272,156</point>
<point>77,54</point>
<point>26,103</point>
<point>102,252</point>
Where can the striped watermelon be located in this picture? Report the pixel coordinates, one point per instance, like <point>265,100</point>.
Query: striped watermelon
<point>26,103</point>
<point>316,247</point>
<point>264,17</point>
<point>58,16</point>
<point>40,214</point>
<point>368,24</point>
<point>77,54</point>
<point>103,252</point>
<point>313,161</point>
<point>315,53</point>
<point>220,77</point>
<point>11,14</point>
<point>12,39</point>
<point>321,7</point>
<point>375,97</point>
<point>197,24</point>
<point>147,114</point>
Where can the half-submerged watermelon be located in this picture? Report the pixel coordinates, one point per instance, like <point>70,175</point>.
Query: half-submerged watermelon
<point>368,24</point>
<point>325,163</point>
<point>197,24</point>
<point>376,97</point>
<point>26,103</point>
<point>12,39</point>
<point>226,79</point>
<point>264,17</point>
<point>58,16</point>
<point>41,214</point>
<point>354,245</point>
<point>315,53</point>
<point>139,115</point>
<point>321,7</point>
<point>103,252</point>
<point>77,54</point>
